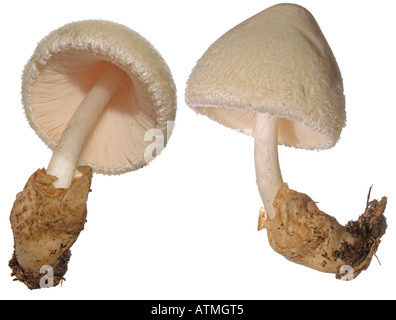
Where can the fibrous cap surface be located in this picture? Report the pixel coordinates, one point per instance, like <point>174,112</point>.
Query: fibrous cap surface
<point>279,62</point>
<point>65,66</point>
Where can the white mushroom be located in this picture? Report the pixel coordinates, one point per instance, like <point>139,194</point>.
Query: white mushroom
<point>91,91</point>
<point>276,75</point>
<point>107,86</point>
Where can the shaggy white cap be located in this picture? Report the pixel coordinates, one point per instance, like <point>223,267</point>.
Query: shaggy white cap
<point>279,62</point>
<point>64,67</point>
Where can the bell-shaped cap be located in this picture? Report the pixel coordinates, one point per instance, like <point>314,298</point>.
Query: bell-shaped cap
<point>279,62</point>
<point>66,65</point>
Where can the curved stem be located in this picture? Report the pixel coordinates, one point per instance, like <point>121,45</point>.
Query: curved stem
<point>268,174</point>
<point>67,153</point>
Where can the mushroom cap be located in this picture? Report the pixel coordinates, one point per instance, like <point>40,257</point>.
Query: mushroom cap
<point>278,62</point>
<point>66,65</point>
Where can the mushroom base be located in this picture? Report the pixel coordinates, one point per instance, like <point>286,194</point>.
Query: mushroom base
<point>37,281</point>
<point>46,222</point>
<point>305,235</point>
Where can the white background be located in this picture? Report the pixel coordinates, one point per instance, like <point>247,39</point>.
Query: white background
<point>184,227</point>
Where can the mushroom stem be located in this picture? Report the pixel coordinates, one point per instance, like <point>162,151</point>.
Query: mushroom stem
<point>67,153</point>
<point>268,174</point>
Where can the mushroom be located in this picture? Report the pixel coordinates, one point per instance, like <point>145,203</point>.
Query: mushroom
<point>275,75</point>
<point>91,91</point>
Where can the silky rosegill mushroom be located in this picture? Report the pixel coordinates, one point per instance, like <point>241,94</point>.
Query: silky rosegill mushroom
<point>275,75</point>
<point>91,91</point>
